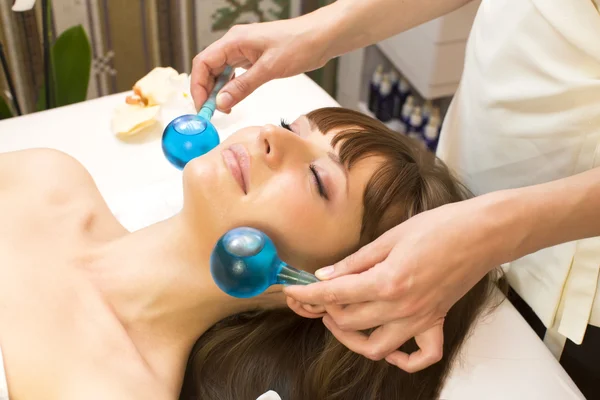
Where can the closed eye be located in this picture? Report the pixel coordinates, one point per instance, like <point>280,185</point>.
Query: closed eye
<point>318,182</point>
<point>316,176</point>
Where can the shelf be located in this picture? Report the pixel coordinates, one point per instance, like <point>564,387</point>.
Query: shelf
<point>394,125</point>
<point>431,56</point>
<point>433,72</point>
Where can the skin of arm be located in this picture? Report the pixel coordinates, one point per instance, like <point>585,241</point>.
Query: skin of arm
<point>548,214</point>
<point>347,25</point>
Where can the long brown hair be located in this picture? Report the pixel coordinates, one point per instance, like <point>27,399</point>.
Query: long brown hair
<point>245,355</point>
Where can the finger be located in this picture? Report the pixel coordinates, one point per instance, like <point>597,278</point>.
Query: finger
<point>242,86</point>
<point>303,310</point>
<point>314,309</point>
<point>343,290</point>
<point>382,342</point>
<point>207,66</point>
<point>356,317</point>
<point>201,83</point>
<point>431,351</point>
<point>365,258</point>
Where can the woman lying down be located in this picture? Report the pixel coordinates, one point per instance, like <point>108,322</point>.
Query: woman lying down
<point>91,311</point>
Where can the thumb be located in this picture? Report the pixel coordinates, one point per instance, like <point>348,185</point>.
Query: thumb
<point>365,258</point>
<point>242,86</point>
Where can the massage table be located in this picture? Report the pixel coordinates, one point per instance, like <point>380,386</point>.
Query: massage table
<point>502,360</point>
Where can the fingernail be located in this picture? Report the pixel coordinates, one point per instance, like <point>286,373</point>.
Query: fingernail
<point>324,273</point>
<point>224,101</point>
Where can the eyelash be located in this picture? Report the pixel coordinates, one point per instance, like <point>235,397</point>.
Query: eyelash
<point>285,125</point>
<point>313,169</point>
<point>318,182</point>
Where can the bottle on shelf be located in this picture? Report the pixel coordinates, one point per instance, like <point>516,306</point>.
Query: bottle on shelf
<point>385,101</point>
<point>415,125</point>
<point>402,93</point>
<point>427,110</point>
<point>407,109</point>
<point>431,131</point>
<point>394,80</point>
<point>374,88</point>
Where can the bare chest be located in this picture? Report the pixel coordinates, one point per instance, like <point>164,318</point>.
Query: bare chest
<point>54,325</point>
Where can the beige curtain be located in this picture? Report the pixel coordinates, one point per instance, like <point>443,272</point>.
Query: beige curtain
<point>129,38</point>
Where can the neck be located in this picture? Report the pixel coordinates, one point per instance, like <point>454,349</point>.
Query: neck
<point>158,282</point>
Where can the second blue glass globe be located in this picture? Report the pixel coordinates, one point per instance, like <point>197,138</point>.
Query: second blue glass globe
<point>190,136</point>
<point>244,263</point>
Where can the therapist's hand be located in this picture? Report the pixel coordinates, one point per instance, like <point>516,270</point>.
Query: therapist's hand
<point>285,48</point>
<point>405,282</point>
<point>267,50</point>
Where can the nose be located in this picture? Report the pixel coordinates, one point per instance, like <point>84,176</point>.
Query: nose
<point>281,146</point>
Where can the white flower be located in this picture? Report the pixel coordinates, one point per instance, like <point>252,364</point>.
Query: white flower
<point>23,5</point>
<point>158,97</point>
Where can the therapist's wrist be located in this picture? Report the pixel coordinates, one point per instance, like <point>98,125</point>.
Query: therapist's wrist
<point>332,30</point>
<point>508,221</point>
<point>525,220</point>
<point>558,211</point>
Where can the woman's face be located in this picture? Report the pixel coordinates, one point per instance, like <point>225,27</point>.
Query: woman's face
<point>288,183</point>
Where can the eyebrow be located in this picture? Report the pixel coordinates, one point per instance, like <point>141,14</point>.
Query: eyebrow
<point>336,159</point>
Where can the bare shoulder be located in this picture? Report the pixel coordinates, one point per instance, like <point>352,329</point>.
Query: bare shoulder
<point>50,182</point>
<point>44,168</point>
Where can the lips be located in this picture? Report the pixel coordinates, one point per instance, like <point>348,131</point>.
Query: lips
<point>237,160</point>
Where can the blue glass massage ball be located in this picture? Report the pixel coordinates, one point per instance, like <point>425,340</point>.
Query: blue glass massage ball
<point>188,137</point>
<point>244,262</point>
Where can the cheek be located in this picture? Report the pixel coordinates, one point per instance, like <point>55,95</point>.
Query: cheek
<point>284,201</point>
<point>244,135</point>
<point>302,226</point>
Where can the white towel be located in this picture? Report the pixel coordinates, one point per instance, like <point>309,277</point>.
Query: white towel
<point>4,383</point>
<point>270,395</point>
<point>144,206</point>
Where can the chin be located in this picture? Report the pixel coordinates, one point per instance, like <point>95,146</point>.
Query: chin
<point>199,172</point>
<point>210,195</point>
<point>201,181</point>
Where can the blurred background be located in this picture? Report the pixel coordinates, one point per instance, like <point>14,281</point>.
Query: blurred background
<point>102,47</point>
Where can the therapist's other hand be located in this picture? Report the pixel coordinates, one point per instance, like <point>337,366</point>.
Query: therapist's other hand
<point>404,283</point>
<point>268,50</point>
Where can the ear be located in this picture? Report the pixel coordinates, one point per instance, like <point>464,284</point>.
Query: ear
<point>305,310</point>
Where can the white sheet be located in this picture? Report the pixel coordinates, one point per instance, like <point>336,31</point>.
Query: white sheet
<point>503,360</point>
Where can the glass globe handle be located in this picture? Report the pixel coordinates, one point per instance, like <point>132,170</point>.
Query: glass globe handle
<point>208,108</point>
<point>289,275</point>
